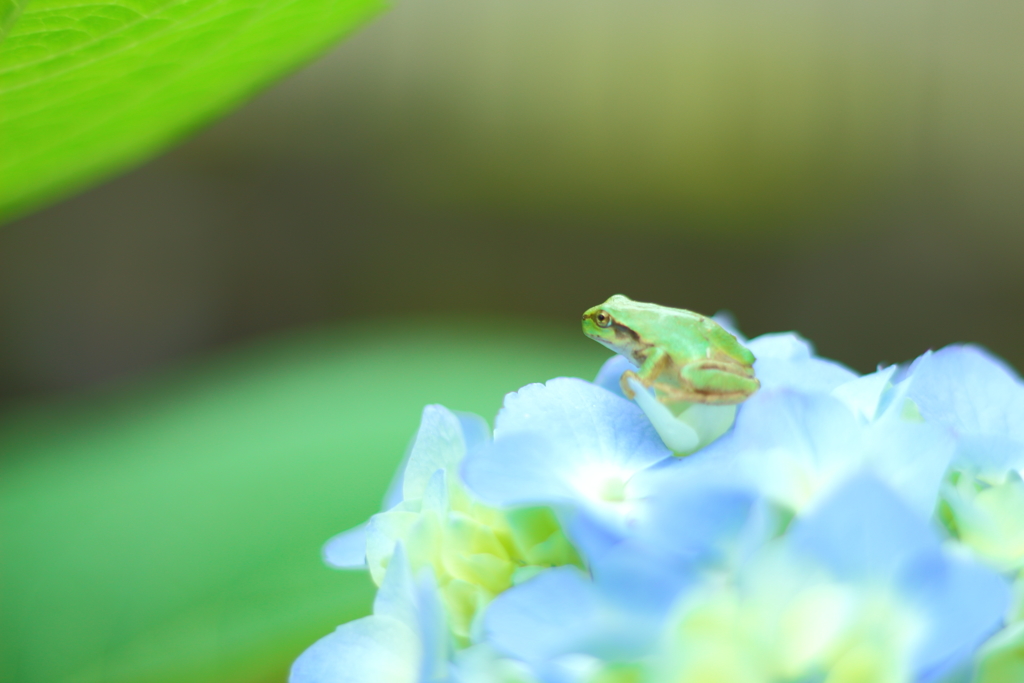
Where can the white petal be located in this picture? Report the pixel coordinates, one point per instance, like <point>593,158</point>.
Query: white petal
<point>439,445</point>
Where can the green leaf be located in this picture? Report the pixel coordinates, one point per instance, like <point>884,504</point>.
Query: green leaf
<point>172,531</point>
<point>10,10</point>
<point>88,88</point>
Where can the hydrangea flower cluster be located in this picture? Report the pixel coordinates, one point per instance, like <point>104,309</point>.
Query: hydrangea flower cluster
<point>834,528</point>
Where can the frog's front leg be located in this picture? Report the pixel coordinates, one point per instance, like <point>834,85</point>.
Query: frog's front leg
<point>652,366</point>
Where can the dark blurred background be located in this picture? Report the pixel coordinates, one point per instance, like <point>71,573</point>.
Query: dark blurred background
<point>849,170</point>
<point>211,363</point>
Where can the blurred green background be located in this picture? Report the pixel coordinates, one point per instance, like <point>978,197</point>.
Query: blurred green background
<point>212,363</point>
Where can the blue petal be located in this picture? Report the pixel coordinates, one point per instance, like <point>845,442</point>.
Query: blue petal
<point>397,595</point>
<point>584,419</point>
<point>817,425</point>
<point>989,456</point>
<point>433,627</point>
<point>611,372</point>
<point>520,469</point>
<point>863,395</point>
<point>475,431</point>
<point>781,345</point>
<point>786,360</point>
<point>862,531</point>
<point>910,457</point>
<point>816,435</point>
<point>590,536</point>
<point>543,617</point>
<point>696,518</point>
<point>963,603</point>
<point>368,650</point>
<point>347,550</point>
<point>414,601</point>
<point>565,444</point>
<point>969,390</point>
<point>394,494</point>
<point>561,612</point>
<point>640,581</point>
<point>439,445</point>
<point>382,532</point>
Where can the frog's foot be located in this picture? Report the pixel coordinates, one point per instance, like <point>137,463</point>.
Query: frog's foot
<point>624,383</point>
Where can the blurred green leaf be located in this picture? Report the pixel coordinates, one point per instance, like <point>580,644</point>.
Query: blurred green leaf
<point>171,531</point>
<point>87,89</point>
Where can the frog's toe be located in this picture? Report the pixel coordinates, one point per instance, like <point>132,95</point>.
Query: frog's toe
<point>624,383</point>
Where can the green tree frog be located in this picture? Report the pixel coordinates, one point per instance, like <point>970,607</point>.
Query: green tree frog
<point>684,356</point>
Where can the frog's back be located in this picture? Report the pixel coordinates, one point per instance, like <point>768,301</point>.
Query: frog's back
<point>693,334</point>
<point>727,343</point>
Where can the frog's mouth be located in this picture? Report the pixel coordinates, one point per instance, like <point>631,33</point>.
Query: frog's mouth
<point>623,338</point>
<point>604,342</point>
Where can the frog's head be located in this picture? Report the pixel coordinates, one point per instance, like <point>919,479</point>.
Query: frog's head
<point>604,324</point>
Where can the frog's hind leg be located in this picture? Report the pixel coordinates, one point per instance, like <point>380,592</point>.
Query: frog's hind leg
<point>713,382</point>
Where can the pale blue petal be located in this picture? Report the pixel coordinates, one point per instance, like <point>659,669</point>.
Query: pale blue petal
<point>610,374</point>
<point>433,627</point>
<point>475,430</point>
<point>544,617</point>
<point>816,428</point>
<point>642,580</point>
<point>531,469</point>
<point>584,422</point>
<point>571,668</point>
<point>781,346</point>
<point>863,395</point>
<point>569,444</point>
<point>369,650</point>
<point>911,458</point>
<point>696,519</point>
<point>765,521</point>
<point>439,445</point>
<point>561,612</point>
<point>963,603</point>
<point>394,494</point>
<point>705,510</point>
<point>813,375</point>
<point>382,532</point>
<point>786,360</point>
<point>415,602</point>
<point>590,536</point>
<point>969,390</point>
<point>435,493</point>
<point>780,437</point>
<point>862,531</point>
<point>989,456</point>
<point>481,663</point>
<point>396,597</point>
<point>520,469</point>
<point>347,550</point>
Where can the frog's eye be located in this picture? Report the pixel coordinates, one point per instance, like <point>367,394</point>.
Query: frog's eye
<point>603,319</point>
